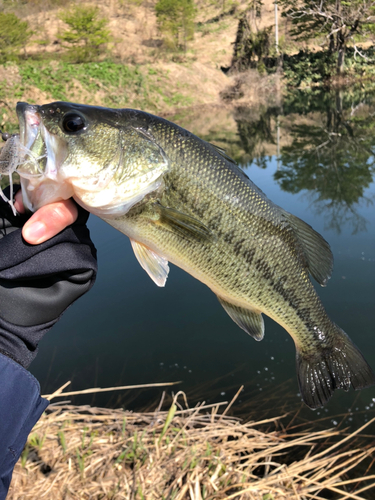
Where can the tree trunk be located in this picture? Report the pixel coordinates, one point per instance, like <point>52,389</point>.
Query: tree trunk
<point>339,105</point>
<point>243,50</point>
<point>331,44</point>
<point>340,43</point>
<point>341,58</point>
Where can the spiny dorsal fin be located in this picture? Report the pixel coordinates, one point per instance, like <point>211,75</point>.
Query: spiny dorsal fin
<point>223,153</point>
<point>317,251</point>
<point>181,223</point>
<point>154,265</point>
<point>250,321</point>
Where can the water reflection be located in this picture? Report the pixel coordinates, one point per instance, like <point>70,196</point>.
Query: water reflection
<point>255,134</point>
<point>324,145</point>
<point>332,157</point>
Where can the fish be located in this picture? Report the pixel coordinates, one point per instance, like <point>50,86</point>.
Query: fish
<point>184,201</point>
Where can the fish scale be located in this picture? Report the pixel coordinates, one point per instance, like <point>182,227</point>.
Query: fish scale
<point>209,257</point>
<point>182,200</point>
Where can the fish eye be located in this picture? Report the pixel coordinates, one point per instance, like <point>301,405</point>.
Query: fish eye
<point>73,122</point>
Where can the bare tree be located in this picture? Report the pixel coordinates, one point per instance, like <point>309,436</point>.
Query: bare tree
<point>338,21</point>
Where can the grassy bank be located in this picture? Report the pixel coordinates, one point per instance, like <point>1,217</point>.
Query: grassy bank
<point>81,452</point>
<point>161,88</point>
<point>139,70</point>
<point>101,83</point>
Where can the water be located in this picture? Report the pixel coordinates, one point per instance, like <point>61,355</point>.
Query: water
<point>314,157</point>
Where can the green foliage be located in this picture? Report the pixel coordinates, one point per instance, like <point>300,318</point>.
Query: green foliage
<point>85,450</point>
<point>36,441</point>
<point>171,413</point>
<point>252,46</point>
<point>315,68</point>
<point>176,21</point>
<point>135,453</point>
<point>25,456</point>
<point>118,85</point>
<point>57,79</point>
<point>87,34</point>
<point>14,34</point>
<point>62,440</point>
<point>336,21</point>
<point>255,48</point>
<point>306,68</point>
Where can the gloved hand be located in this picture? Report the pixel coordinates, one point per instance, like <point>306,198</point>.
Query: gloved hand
<point>38,282</point>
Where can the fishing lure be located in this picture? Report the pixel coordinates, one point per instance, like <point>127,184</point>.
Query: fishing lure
<point>12,156</point>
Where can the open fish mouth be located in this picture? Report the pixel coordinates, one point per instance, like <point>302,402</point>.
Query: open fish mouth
<point>17,154</point>
<point>43,151</point>
<point>36,156</point>
<point>29,121</point>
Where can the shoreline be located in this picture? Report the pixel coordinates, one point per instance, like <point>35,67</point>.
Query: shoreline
<point>188,453</point>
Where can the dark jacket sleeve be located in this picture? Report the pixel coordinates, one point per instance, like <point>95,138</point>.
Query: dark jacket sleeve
<point>20,408</point>
<point>37,284</point>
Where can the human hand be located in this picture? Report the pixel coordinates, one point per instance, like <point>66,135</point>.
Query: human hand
<point>48,220</point>
<point>38,281</point>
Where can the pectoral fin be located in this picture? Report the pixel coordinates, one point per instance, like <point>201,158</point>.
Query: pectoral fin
<point>183,224</point>
<point>154,265</point>
<point>250,321</point>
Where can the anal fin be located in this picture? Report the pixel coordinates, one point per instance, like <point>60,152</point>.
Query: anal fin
<point>250,321</point>
<point>154,265</point>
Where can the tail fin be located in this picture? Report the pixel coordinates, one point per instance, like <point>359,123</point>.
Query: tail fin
<point>337,367</point>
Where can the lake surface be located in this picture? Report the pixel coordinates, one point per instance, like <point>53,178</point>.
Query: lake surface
<point>315,158</point>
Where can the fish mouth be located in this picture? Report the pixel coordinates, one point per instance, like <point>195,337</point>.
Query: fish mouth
<point>39,143</point>
<point>43,155</point>
<point>29,120</point>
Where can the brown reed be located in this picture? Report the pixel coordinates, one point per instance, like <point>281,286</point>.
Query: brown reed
<point>200,453</point>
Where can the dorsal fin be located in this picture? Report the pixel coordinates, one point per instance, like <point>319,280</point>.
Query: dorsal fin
<point>223,153</point>
<point>154,265</point>
<point>317,251</point>
<point>250,321</point>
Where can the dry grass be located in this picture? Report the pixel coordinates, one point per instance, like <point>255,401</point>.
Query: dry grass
<point>81,452</point>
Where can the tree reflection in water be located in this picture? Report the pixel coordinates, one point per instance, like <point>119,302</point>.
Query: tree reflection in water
<point>330,150</point>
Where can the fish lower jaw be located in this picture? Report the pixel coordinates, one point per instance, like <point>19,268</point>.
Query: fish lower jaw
<point>36,195</point>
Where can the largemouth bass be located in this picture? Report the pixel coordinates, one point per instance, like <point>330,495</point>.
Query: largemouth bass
<point>182,200</point>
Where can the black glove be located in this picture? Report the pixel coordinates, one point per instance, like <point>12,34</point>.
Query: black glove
<point>38,282</point>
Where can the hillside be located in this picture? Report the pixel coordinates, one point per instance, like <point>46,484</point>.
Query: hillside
<point>152,78</point>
